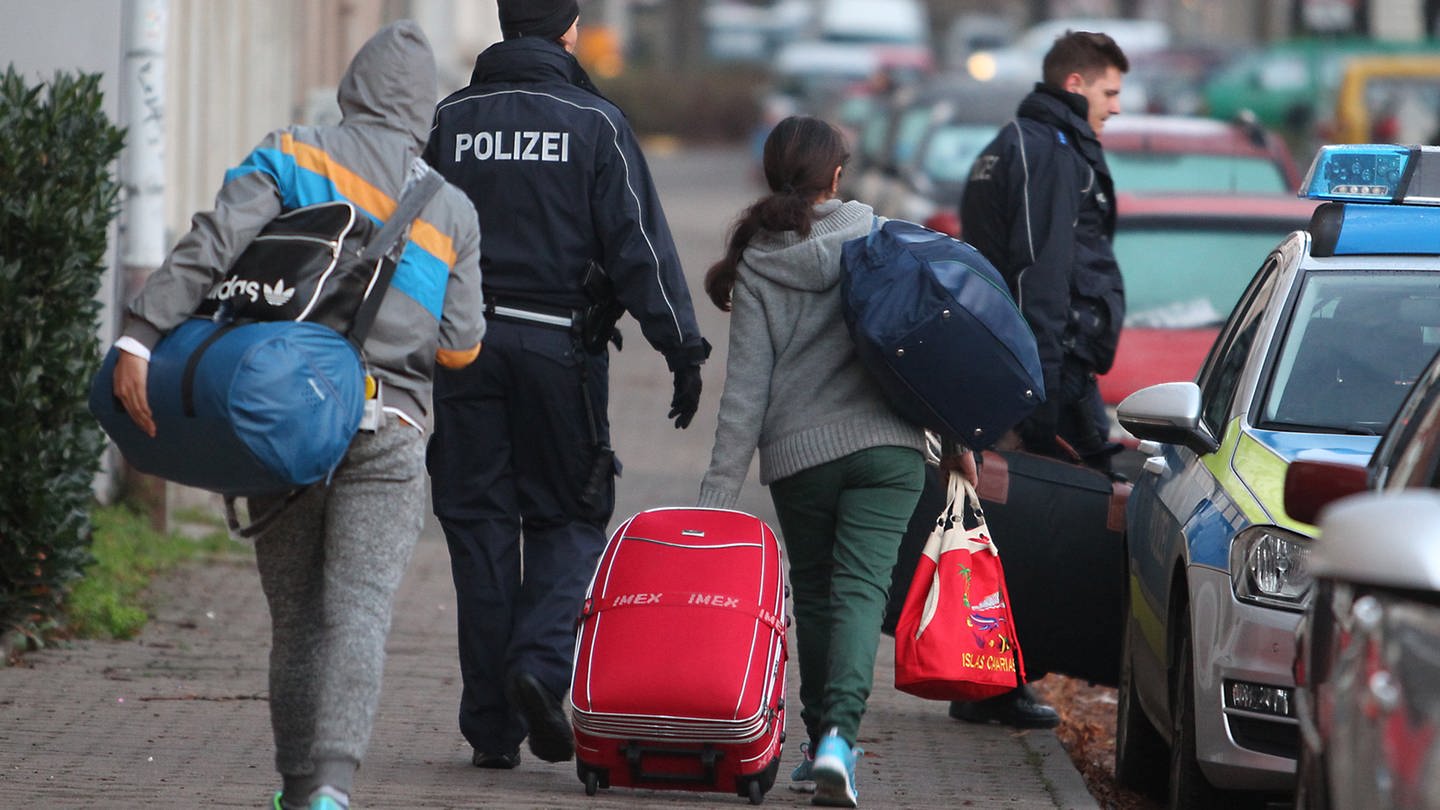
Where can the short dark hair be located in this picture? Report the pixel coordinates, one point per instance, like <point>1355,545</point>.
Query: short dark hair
<point>1085,52</point>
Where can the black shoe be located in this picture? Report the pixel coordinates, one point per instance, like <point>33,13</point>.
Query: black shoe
<point>502,762</point>
<point>1019,708</point>
<point>550,737</point>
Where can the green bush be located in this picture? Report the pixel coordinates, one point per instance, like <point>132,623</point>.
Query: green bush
<point>57,199</point>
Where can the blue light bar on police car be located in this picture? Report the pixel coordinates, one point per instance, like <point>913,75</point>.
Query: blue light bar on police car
<point>1375,173</point>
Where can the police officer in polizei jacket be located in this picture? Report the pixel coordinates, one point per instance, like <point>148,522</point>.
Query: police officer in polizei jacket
<point>572,236</point>
<point>1040,205</point>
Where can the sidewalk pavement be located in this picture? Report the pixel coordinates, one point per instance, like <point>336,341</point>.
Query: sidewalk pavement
<point>179,719</point>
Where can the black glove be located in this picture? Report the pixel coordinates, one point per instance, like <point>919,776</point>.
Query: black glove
<point>687,396</point>
<point>1039,428</point>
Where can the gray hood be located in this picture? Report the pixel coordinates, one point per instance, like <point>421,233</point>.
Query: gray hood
<point>810,263</point>
<point>392,82</point>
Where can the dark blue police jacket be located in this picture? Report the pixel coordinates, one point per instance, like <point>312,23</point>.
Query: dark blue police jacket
<point>559,182</point>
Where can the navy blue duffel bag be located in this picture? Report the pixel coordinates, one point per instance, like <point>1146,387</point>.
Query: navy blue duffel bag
<point>241,409</point>
<point>935,324</point>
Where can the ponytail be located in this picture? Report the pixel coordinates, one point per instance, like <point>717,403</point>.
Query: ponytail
<point>800,158</point>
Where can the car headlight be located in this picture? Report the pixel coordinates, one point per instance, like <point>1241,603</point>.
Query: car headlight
<point>1271,566</point>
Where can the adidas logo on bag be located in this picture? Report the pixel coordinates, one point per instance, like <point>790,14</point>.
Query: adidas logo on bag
<point>277,295</point>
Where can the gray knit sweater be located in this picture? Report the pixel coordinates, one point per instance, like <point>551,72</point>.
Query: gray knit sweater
<point>794,386</point>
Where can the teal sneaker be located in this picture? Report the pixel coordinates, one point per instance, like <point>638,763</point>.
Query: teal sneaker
<point>834,772</point>
<point>328,798</point>
<point>802,779</point>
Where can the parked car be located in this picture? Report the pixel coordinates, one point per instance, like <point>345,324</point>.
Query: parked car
<point>1172,81</point>
<point>975,31</point>
<point>1366,662</point>
<point>1314,360</point>
<point>897,22</point>
<point>1192,154</point>
<point>1288,84</point>
<point>1185,259</point>
<point>934,141</point>
<point>1390,99</point>
<point>736,31</point>
<point>1022,59</point>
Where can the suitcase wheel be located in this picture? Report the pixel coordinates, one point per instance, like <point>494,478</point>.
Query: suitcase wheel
<point>756,794</point>
<point>594,778</point>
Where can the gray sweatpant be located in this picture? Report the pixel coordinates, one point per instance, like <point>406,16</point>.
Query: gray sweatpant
<point>329,566</point>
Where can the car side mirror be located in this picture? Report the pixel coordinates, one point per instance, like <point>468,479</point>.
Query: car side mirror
<point>1168,413</point>
<point>1381,539</point>
<point>1311,485</point>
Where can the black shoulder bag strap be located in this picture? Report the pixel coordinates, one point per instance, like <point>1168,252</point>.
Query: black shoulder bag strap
<point>385,241</point>
<point>411,203</point>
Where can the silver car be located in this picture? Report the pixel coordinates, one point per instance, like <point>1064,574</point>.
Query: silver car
<point>1368,649</point>
<point>1313,363</point>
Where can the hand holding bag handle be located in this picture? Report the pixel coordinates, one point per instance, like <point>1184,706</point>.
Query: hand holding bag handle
<point>955,638</point>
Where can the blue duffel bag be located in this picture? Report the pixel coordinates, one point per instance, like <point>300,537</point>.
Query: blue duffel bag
<point>936,326</point>
<point>241,409</point>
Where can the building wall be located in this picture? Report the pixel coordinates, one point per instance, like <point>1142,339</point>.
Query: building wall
<point>241,68</point>
<point>77,35</point>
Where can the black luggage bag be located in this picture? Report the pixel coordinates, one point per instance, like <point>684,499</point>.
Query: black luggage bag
<point>1060,531</point>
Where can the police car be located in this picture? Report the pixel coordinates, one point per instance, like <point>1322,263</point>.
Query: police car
<point>1323,345</point>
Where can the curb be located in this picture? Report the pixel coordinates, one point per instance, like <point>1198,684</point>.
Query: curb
<point>1062,781</point>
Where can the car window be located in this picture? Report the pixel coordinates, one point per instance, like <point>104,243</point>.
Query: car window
<point>856,110</point>
<point>1352,349</point>
<point>1284,72</point>
<point>872,139</point>
<point>1402,109</point>
<point>1179,276</point>
<point>1409,455</point>
<point>952,149</point>
<point>912,126</point>
<point>1171,171</point>
<point>1419,463</point>
<point>1227,360</point>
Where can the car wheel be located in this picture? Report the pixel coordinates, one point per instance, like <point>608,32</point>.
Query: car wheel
<point>1139,748</point>
<point>1189,789</point>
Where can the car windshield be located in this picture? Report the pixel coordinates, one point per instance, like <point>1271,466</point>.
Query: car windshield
<point>1181,276</point>
<point>913,123</point>
<point>1403,110</point>
<point>1352,350</point>
<point>872,138</point>
<point>952,149</point>
<point>856,110</point>
<point>1191,172</point>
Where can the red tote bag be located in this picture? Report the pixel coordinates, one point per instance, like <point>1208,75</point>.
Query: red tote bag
<point>955,639</point>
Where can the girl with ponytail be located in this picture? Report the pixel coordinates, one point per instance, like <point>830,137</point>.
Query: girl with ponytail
<point>844,470</point>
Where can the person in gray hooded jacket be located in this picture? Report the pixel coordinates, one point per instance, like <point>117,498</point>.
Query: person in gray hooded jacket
<point>844,470</point>
<point>330,563</point>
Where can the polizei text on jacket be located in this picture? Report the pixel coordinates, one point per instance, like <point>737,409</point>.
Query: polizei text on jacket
<point>548,147</point>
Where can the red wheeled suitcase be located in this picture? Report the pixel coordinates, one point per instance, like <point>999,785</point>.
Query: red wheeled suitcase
<point>679,678</point>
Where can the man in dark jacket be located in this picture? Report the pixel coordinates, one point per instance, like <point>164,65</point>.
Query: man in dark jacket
<point>1040,205</point>
<point>573,235</point>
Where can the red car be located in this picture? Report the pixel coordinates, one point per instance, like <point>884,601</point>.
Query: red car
<point>1176,153</point>
<point>1185,260</point>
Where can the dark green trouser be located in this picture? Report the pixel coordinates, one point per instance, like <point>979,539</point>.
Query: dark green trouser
<point>842,523</point>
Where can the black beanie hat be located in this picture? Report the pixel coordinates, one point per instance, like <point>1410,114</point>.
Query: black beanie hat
<point>547,19</point>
